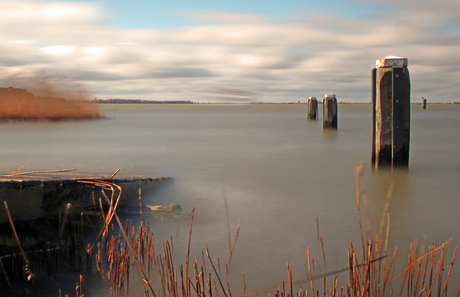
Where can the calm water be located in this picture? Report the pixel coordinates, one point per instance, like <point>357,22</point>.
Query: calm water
<point>278,172</point>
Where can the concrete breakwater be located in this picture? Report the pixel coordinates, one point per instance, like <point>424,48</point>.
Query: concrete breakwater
<point>31,199</point>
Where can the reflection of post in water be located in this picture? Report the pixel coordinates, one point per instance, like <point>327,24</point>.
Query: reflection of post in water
<point>391,113</point>
<point>393,184</point>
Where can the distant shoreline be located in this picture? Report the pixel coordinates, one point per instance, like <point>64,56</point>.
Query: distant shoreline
<point>140,101</point>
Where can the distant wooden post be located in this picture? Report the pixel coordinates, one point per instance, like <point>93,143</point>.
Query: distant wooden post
<point>424,103</point>
<point>329,112</point>
<point>391,113</point>
<point>312,108</point>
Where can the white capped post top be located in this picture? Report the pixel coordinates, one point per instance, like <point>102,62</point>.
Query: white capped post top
<point>312,97</point>
<point>392,61</point>
<point>329,96</point>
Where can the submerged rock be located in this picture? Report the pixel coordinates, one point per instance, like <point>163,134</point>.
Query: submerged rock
<point>165,208</point>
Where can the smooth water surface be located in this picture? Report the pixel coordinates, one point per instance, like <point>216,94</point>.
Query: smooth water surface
<point>279,173</point>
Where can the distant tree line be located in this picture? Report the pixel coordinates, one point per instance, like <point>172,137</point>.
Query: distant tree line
<point>140,101</point>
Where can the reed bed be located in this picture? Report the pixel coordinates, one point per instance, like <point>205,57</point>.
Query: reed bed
<point>369,269</point>
<point>133,249</point>
<point>117,257</point>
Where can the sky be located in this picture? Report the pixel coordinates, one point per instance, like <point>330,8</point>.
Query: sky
<point>228,51</point>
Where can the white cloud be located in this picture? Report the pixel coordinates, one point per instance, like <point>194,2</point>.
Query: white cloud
<point>226,17</point>
<point>263,34</point>
<point>22,12</point>
<point>95,50</point>
<point>241,54</point>
<point>58,50</point>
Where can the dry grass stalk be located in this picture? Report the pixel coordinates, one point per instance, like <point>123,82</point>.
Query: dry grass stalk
<point>27,268</point>
<point>217,275</point>
<point>372,278</point>
<point>236,239</point>
<point>4,273</point>
<point>359,173</point>
<point>215,286</point>
<point>228,221</point>
<point>450,270</point>
<point>113,213</point>
<point>362,277</point>
<point>140,205</point>
<point>317,228</point>
<point>309,272</point>
<point>368,277</point>
<point>192,214</point>
<point>322,249</point>
<point>31,173</point>
<point>289,277</point>
<point>113,206</point>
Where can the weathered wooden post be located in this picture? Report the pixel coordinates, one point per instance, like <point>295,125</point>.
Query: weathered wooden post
<point>424,103</point>
<point>329,112</point>
<point>312,108</point>
<point>391,113</point>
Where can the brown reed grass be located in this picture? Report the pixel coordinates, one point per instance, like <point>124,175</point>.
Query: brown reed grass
<point>174,280</point>
<point>368,272</point>
<point>423,276</point>
<point>19,104</point>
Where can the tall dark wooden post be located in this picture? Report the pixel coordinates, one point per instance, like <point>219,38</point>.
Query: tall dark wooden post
<point>329,112</point>
<point>391,113</point>
<point>424,103</point>
<point>312,108</point>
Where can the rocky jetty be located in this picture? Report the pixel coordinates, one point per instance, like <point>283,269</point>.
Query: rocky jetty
<point>33,199</point>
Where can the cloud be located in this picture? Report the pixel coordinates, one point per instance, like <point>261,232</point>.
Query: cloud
<point>23,12</point>
<point>178,72</point>
<point>239,56</point>
<point>47,21</point>
<point>258,34</point>
<point>229,94</point>
<point>58,50</point>
<point>226,17</point>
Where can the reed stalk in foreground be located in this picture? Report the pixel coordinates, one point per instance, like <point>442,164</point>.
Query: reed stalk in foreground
<point>423,275</point>
<point>368,271</point>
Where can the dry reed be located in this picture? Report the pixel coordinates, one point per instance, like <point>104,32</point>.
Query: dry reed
<point>368,273</point>
<point>423,276</point>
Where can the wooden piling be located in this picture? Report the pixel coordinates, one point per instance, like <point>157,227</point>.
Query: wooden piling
<point>329,112</point>
<point>391,113</point>
<point>423,103</point>
<point>312,108</point>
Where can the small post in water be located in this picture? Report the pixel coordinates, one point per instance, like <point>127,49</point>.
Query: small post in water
<point>312,108</point>
<point>329,112</point>
<point>391,113</point>
<point>424,103</point>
